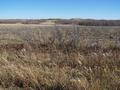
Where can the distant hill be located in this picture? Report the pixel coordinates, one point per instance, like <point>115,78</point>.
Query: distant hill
<point>75,21</point>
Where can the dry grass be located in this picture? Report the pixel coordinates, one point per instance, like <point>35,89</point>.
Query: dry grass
<point>59,58</point>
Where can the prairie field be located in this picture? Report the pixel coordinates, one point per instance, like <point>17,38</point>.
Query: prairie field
<point>59,57</point>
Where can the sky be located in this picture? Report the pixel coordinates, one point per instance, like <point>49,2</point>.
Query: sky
<point>43,9</point>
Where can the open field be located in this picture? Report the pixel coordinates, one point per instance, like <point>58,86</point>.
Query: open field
<point>59,57</point>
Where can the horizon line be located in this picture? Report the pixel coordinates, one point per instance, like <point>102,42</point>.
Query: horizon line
<point>55,18</point>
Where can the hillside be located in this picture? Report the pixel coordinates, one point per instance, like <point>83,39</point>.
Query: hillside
<point>84,22</point>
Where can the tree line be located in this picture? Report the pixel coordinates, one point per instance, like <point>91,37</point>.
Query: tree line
<point>84,22</point>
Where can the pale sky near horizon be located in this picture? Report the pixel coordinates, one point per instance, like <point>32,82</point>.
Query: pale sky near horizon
<point>41,9</point>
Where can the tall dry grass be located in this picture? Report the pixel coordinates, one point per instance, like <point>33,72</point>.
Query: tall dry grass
<point>59,58</point>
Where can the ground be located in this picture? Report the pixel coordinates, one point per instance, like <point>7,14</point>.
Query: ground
<point>59,57</point>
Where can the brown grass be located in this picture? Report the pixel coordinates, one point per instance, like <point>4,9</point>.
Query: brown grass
<point>59,58</point>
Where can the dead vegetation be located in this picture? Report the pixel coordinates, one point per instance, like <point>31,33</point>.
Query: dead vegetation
<point>59,58</point>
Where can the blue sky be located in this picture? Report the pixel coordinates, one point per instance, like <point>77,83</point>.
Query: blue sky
<point>37,9</point>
